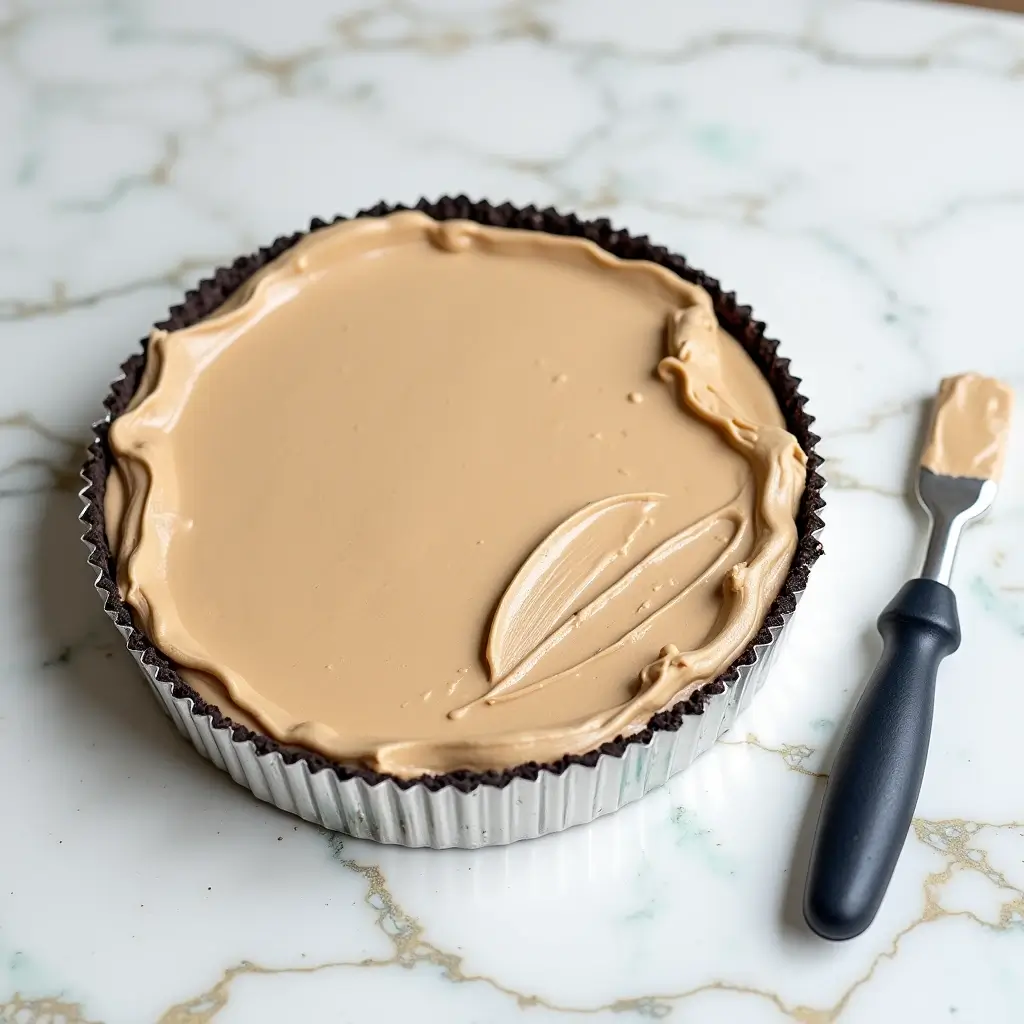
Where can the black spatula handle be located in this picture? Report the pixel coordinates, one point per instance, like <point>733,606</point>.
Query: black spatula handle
<point>876,778</point>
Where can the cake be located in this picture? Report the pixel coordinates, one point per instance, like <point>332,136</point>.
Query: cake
<point>449,504</point>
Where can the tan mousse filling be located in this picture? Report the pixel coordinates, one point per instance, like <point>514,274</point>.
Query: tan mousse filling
<point>970,427</point>
<point>429,496</point>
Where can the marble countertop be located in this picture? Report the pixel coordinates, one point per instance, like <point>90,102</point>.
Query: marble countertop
<point>854,169</point>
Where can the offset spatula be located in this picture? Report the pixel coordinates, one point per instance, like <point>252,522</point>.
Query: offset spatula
<point>875,780</point>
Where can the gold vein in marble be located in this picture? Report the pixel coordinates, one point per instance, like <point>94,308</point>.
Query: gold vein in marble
<point>62,478</point>
<point>875,419</point>
<point>181,275</point>
<point>47,1010</point>
<point>26,421</point>
<point>950,838</point>
<point>842,481</point>
<point>793,754</point>
<point>953,839</point>
<point>433,35</point>
<point>60,474</point>
<point>157,176</point>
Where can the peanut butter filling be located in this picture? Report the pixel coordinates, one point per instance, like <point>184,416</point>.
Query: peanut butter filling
<point>970,427</point>
<point>427,496</point>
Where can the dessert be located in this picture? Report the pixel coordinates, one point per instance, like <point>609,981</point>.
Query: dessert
<point>427,496</point>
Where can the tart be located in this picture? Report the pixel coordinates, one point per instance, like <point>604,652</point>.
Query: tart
<point>421,515</point>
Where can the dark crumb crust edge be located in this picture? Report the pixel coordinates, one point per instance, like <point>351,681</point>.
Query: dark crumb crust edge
<point>735,318</point>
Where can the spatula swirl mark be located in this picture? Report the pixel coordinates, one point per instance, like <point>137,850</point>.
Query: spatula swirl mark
<point>509,688</point>
<point>558,573</point>
<point>541,607</point>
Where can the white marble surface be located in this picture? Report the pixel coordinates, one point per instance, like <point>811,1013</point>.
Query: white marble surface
<point>855,170</point>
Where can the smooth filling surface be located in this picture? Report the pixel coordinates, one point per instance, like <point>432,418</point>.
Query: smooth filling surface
<point>970,427</point>
<point>427,496</point>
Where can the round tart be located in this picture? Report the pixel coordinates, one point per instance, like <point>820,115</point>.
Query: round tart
<point>428,512</point>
